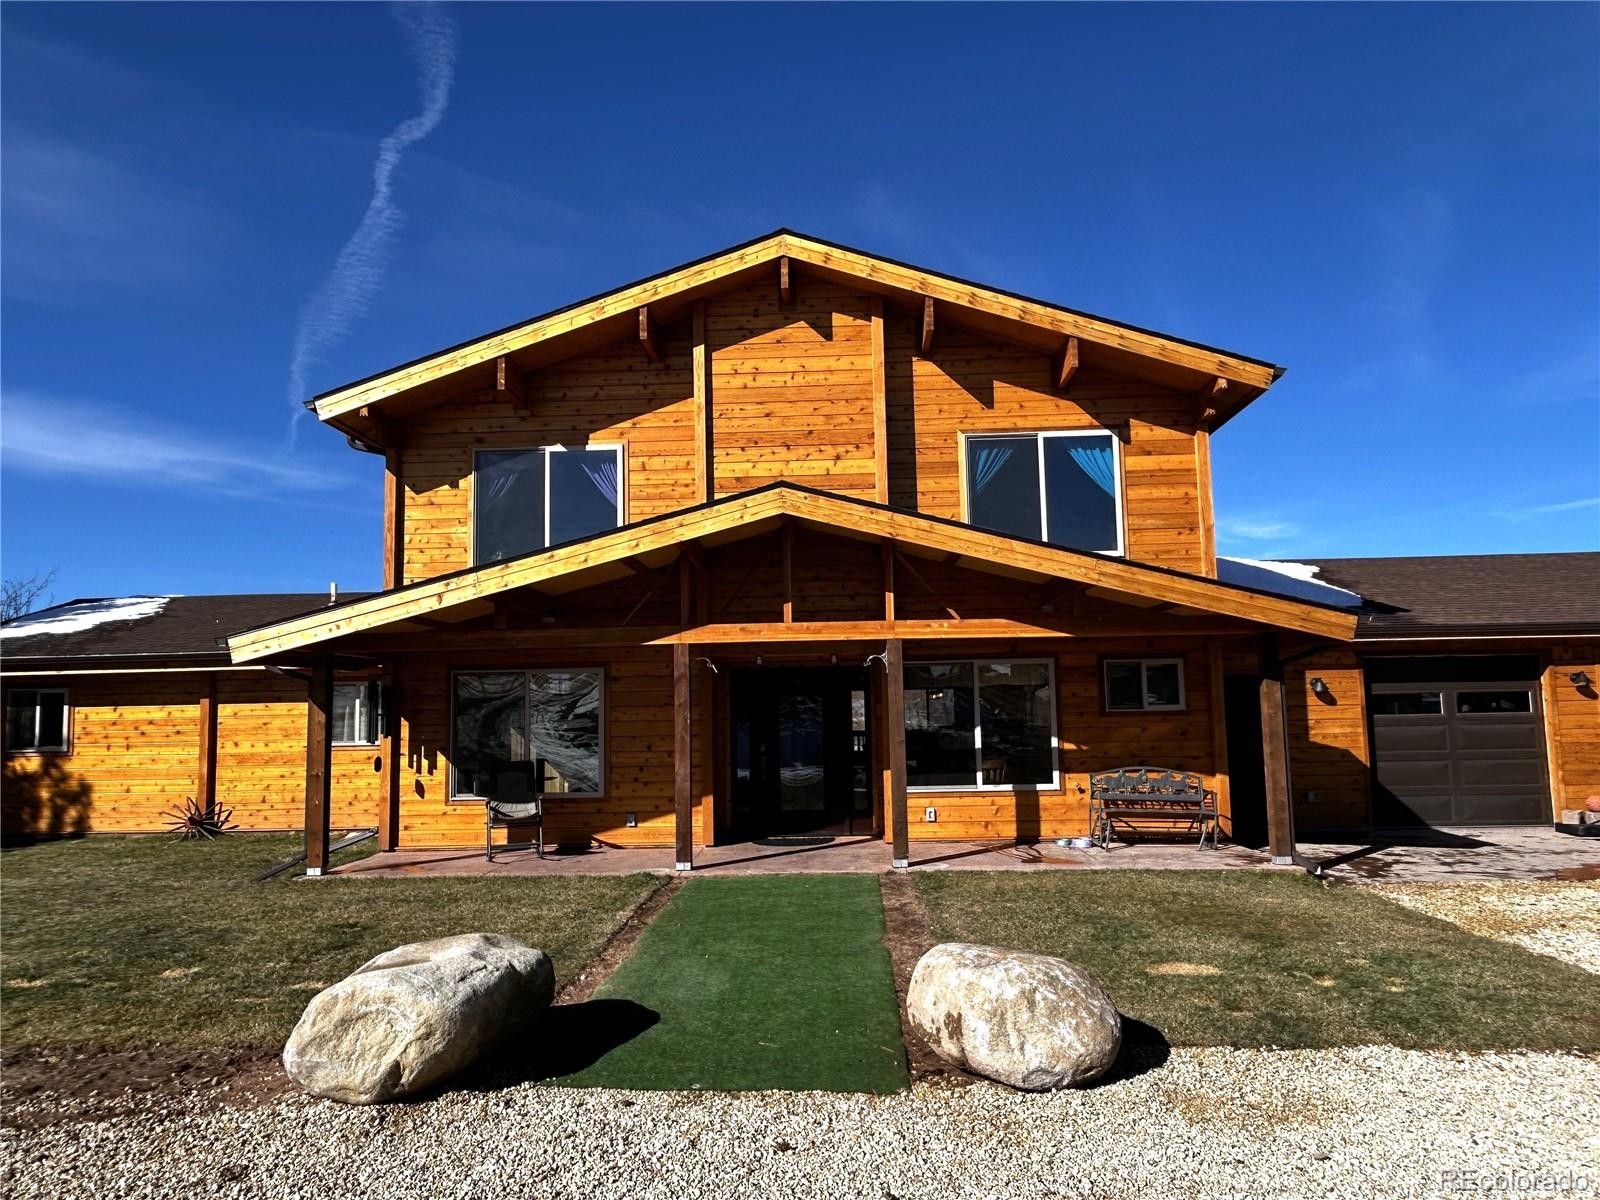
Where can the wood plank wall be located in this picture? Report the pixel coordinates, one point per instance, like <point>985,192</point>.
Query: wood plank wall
<point>791,392</point>
<point>1572,724</point>
<point>1330,760</point>
<point>135,755</point>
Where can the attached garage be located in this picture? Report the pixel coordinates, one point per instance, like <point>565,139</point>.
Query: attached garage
<point>1458,742</point>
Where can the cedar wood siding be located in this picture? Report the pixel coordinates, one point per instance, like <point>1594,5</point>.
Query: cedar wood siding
<point>135,755</point>
<point>792,398</point>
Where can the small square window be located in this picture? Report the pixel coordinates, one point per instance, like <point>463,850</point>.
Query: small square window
<point>355,714</point>
<point>1144,685</point>
<point>37,720</point>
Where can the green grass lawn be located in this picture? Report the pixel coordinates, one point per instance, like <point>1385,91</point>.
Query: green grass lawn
<point>1253,959</point>
<point>120,942</point>
<point>751,983</point>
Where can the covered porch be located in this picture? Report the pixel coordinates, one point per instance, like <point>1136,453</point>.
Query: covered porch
<point>687,636</point>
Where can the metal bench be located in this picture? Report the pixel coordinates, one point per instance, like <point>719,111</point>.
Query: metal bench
<point>518,800</point>
<point>1130,794</point>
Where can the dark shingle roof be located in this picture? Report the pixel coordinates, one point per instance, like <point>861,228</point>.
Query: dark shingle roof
<point>182,626</point>
<point>1466,594</point>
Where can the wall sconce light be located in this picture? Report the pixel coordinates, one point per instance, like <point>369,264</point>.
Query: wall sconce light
<point>1580,678</point>
<point>1319,686</point>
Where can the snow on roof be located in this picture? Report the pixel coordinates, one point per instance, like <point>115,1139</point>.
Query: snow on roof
<point>78,615</point>
<point>1296,580</point>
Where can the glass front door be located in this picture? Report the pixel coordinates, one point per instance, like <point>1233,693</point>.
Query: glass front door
<point>800,750</point>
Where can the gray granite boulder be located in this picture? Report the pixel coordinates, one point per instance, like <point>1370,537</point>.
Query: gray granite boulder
<point>416,1014</point>
<point>1028,1020</point>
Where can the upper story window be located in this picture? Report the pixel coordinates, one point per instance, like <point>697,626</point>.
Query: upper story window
<point>1063,487</point>
<point>525,500</point>
<point>356,708</point>
<point>37,720</point>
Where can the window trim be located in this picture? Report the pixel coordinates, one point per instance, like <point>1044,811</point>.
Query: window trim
<point>1055,784</point>
<point>37,750</point>
<point>620,448</point>
<point>1145,661</point>
<point>1039,436</point>
<point>373,697</point>
<point>453,797</point>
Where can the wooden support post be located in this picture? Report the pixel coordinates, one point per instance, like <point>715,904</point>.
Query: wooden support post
<point>785,282</point>
<point>682,764</point>
<point>205,784</point>
<point>319,764</point>
<point>894,694</point>
<point>880,404</point>
<point>394,518</point>
<point>1067,364</point>
<point>886,559</point>
<point>704,447</point>
<point>1217,697</point>
<point>1275,757</point>
<point>925,343</point>
<point>788,572</point>
<point>649,334</point>
<point>389,774</point>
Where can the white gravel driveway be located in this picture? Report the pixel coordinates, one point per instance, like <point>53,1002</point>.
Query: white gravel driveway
<point>1556,919</point>
<point>1366,1122</point>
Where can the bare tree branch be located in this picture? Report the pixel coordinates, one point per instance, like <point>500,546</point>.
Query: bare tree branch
<point>20,596</point>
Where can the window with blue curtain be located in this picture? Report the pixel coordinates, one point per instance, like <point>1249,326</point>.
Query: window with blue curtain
<point>1060,488</point>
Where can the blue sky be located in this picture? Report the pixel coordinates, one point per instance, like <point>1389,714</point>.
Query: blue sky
<point>1398,203</point>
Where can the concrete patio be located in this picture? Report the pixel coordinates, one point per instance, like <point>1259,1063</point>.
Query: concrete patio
<point>1460,855</point>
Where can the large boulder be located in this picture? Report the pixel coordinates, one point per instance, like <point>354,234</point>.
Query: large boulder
<point>1028,1020</point>
<point>416,1014</point>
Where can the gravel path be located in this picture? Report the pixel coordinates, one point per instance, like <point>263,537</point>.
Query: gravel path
<point>1363,1122</point>
<point>1558,919</point>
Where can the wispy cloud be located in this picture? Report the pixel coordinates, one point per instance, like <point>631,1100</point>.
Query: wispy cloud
<point>1533,511</point>
<point>80,220</point>
<point>346,293</point>
<point>1256,529</point>
<point>54,436</point>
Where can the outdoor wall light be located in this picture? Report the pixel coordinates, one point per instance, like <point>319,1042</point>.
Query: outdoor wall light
<point>1580,678</point>
<point>1319,686</point>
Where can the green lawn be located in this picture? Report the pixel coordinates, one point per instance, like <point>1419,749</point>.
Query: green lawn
<point>117,942</point>
<point>776,982</point>
<point>1253,959</point>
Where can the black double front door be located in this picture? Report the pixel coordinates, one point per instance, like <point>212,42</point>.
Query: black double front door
<point>801,763</point>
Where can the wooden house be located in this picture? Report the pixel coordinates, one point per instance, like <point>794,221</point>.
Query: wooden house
<point>798,539</point>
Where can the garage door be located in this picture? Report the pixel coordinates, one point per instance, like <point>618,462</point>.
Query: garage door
<point>1453,753</point>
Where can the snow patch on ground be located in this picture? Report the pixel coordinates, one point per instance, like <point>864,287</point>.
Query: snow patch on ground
<point>1296,580</point>
<point>84,614</point>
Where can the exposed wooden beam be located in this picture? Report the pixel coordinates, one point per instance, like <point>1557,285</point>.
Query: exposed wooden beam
<point>925,342</point>
<point>385,432</point>
<point>1275,757</point>
<point>319,764</point>
<point>649,334</point>
<point>509,383</point>
<point>704,479</point>
<point>1066,364</point>
<point>1216,680</point>
<point>682,765</point>
<point>205,784</point>
<point>1212,397</point>
<point>394,518</point>
<point>886,561</point>
<point>785,282</point>
<point>894,693</point>
<point>918,576</point>
<point>788,571</point>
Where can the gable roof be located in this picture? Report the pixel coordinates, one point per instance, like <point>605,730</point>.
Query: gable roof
<point>1465,595</point>
<point>655,542</point>
<point>606,317</point>
<point>134,628</point>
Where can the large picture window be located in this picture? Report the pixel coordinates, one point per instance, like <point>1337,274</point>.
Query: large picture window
<point>37,720</point>
<point>526,500</point>
<point>544,725</point>
<point>987,724</point>
<point>1061,487</point>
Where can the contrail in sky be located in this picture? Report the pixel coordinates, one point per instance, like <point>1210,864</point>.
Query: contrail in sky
<point>348,289</point>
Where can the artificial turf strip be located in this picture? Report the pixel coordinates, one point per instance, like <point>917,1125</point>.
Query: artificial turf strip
<point>1250,958</point>
<point>773,982</point>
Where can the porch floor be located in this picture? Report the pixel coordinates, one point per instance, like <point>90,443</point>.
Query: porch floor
<point>1459,855</point>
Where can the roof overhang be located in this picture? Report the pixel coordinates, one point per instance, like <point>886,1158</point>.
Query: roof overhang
<point>656,542</point>
<point>1224,381</point>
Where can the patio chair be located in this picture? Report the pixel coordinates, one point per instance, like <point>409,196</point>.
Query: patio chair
<point>518,800</point>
